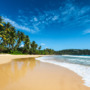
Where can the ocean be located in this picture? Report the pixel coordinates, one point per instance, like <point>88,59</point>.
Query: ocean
<point>79,64</point>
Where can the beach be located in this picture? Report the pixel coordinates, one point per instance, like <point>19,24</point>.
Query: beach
<point>45,45</point>
<point>26,73</point>
<point>6,58</point>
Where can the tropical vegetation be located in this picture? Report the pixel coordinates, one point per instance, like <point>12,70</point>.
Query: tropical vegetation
<point>73,52</point>
<point>11,40</point>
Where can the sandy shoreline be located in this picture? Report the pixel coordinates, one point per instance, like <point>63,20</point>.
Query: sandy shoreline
<point>6,58</point>
<point>36,75</point>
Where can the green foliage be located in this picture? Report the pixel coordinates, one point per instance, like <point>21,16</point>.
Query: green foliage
<point>34,45</point>
<point>10,39</point>
<point>73,52</point>
<point>39,48</point>
<point>15,52</point>
<point>3,49</point>
<point>33,51</point>
<point>49,51</point>
<point>20,37</point>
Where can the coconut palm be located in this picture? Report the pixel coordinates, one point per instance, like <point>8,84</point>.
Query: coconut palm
<point>1,19</point>
<point>26,44</point>
<point>34,45</point>
<point>12,37</point>
<point>20,38</point>
<point>1,29</point>
<point>6,35</point>
<point>39,48</point>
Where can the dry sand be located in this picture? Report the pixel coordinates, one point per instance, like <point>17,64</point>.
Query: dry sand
<point>29,74</point>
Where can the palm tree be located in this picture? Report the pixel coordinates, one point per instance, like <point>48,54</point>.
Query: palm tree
<point>34,45</point>
<point>1,20</point>
<point>12,37</point>
<point>7,31</point>
<point>20,38</point>
<point>39,48</point>
<point>1,29</point>
<point>26,44</point>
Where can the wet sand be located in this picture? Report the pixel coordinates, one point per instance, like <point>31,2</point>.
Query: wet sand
<point>6,58</point>
<point>29,74</point>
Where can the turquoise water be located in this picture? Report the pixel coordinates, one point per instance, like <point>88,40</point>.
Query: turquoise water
<point>82,60</point>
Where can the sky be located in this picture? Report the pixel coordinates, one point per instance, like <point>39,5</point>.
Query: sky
<point>56,24</point>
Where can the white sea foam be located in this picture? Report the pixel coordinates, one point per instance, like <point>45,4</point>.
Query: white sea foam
<point>81,70</point>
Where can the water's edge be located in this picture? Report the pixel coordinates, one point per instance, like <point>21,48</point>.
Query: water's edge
<point>81,70</point>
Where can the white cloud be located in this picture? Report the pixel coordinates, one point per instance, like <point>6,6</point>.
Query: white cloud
<point>69,15</point>
<point>42,44</point>
<point>16,25</point>
<point>35,19</point>
<point>55,18</point>
<point>87,31</point>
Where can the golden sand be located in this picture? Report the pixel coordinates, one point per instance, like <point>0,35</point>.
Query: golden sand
<point>29,74</point>
<point>6,58</point>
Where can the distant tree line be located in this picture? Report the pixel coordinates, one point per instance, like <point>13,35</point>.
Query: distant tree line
<point>11,40</point>
<point>73,52</point>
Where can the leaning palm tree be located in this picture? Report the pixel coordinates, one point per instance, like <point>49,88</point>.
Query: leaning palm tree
<point>39,48</point>
<point>34,45</point>
<point>1,25</point>
<point>6,36</point>
<point>20,38</point>
<point>1,29</point>
<point>26,44</point>
<point>12,37</point>
<point>4,32</point>
<point>1,19</point>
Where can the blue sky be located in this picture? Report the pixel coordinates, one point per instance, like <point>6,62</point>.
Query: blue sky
<point>56,24</point>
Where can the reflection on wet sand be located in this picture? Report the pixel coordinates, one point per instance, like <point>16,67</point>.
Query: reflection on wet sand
<point>29,74</point>
<point>12,72</point>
